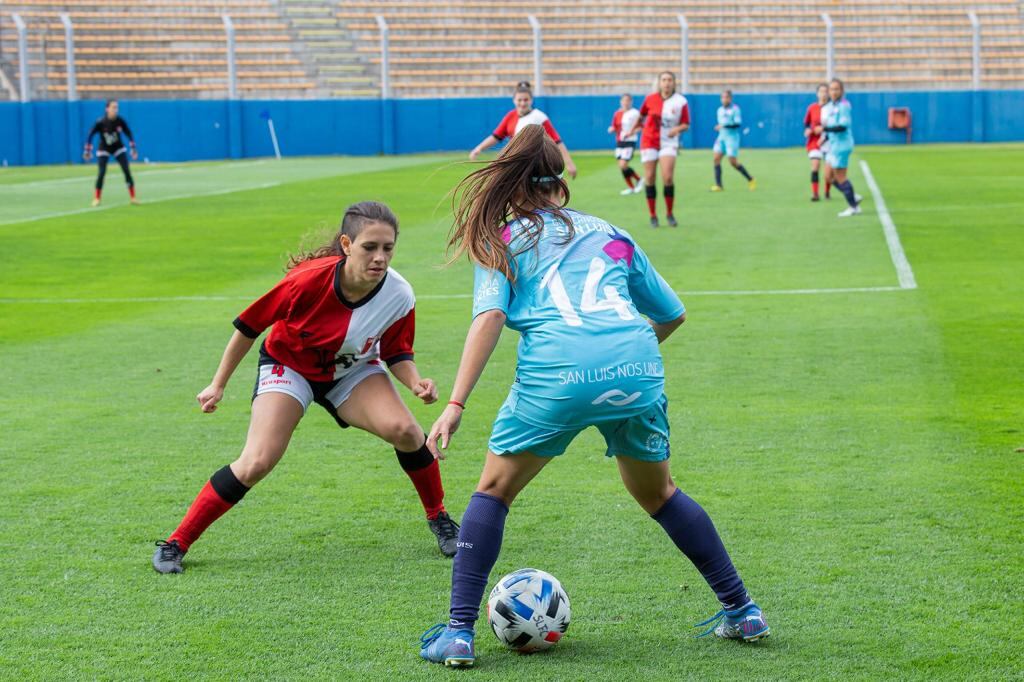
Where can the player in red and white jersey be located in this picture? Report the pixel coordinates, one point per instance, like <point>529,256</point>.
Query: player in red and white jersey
<point>665,116</point>
<point>523,115</point>
<point>816,142</point>
<point>334,318</point>
<point>624,128</point>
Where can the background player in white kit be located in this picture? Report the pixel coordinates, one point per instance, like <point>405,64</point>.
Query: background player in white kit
<point>623,123</point>
<point>665,116</point>
<point>523,115</point>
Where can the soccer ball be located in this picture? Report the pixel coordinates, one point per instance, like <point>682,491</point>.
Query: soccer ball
<point>528,610</point>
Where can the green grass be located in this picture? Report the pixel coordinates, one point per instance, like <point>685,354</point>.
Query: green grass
<point>856,450</point>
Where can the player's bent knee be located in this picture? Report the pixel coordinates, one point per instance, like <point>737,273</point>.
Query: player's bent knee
<point>254,465</point>
<point>406,436</point>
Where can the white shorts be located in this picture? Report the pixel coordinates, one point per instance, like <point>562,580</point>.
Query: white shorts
<point>277,378</point>
<point>625,151</point>
<point>647,155</point>
<point>815,154</point>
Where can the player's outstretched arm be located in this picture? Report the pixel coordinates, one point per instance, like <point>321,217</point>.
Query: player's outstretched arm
<point>663,330</point>
<point>481,340</point>
<point>237,348</point>
<point>570,167</point>
<point>407,372</point>
<point>484,145</point>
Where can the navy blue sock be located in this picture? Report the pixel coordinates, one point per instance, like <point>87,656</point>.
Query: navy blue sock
<point>718,175</point>
<point>847,189</point>
<point>743,170</point>
<point>691,529</point>
<point>483,525</point>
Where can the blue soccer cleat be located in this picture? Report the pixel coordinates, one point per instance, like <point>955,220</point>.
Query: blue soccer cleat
<point>746,623</point>
<point>452,647</point>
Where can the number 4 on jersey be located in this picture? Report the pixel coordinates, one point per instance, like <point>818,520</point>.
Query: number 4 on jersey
<point>589,303</point>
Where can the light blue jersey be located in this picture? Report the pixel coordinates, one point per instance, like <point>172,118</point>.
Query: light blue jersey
<point>728,140</point>
<point>838,114</point>
<point>587,355</point>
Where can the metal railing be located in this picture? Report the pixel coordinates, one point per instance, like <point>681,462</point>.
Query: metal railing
<point>25,90</point>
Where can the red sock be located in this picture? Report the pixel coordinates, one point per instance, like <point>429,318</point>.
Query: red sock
<point>131,191</point>
<point>814,188</point>
<point>428,484</point>
<point>207,508</point>
<point>670,200</point>
<point>652,206</point>
<point>630,182</point>
<point>828,187</point>
<point>98,192</point>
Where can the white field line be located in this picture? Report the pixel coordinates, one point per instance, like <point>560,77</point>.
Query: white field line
<point>101,207</point>
<point>140,174</point>
<point>899,259</point>
<point>434,297</point>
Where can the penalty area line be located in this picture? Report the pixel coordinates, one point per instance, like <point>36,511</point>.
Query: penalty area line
<point>433,297</point>
<point>157,200</point>
<point>892,238</point>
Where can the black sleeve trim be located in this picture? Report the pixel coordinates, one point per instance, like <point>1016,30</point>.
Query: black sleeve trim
<point>395,359</point>
<point>733,125</point>
<point>245,329</point>
<point>835,129</point>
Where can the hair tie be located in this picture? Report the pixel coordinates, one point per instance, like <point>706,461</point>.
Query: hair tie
<point>547,178</point>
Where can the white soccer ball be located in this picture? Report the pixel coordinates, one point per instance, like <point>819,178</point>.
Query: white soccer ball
<point>528,610</point>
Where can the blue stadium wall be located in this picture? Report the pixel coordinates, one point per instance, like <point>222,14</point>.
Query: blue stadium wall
<point>184,130</point>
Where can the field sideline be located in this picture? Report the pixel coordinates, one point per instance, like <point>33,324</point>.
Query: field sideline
<point>856,440</point>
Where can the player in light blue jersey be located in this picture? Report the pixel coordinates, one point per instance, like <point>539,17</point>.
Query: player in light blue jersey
<point>730,120</point>
<point>591,310</point>
<point>837,124</point>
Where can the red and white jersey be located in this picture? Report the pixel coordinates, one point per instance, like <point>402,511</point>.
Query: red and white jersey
<point>811,119</point>
<point>662,114</point>
<point>323,336</point>
<point>513,123</point>
<point>623,122</point>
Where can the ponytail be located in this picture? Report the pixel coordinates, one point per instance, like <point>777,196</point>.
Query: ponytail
<point>524,179</point>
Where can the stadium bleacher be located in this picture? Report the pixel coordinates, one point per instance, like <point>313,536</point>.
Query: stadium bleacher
<point>323,48</point>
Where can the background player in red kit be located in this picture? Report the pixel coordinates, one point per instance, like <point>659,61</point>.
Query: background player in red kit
<point>665,116</point>
<point>815,142</point>
<point>624,128</point>
<point>334,317</point>
<point>523,115</point>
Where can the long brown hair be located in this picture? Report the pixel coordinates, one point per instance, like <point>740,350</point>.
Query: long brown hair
<point>525,178</point>
<point>356,217</point>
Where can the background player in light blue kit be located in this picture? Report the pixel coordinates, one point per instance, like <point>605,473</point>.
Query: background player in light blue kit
<point>730,120</point>
<point>837,123</point>
<point>591,311</point>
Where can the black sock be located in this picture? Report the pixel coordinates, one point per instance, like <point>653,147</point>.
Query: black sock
<point>743,171</point>
<point>416,460</point>
<point>718,174</point>
<point>227,485</point>
<point>633,172</point>
<point>814,176</point>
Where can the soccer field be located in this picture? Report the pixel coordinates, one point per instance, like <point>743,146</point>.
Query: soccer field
<point>856,439</point>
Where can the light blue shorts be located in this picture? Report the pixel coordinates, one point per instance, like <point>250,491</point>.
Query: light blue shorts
<point>728,145</point>
<point>644,436</point>
<point>838,158</point>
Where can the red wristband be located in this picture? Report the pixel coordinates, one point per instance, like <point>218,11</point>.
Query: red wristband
<point>456,402</point>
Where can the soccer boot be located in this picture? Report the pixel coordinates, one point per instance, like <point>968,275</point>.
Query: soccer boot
<point>447,533</point>
<point>672,221</point>
<point>746,623</point>
<point>167,557</point>
<point>626,192</point>
<point>752,184</point>
<point>654,221</point>
<point>95,203</point>
<point>849,211</point>
<point>815,198</point>
<point>442,644</point>
<point>717,188</point>
<point>639,187</point>
<point>857,198</point>
<point>133,201</point>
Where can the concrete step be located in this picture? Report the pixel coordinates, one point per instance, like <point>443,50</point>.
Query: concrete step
<point>348,80</point>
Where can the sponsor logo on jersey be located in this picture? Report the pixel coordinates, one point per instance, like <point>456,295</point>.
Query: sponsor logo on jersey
<point>616,397</point>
